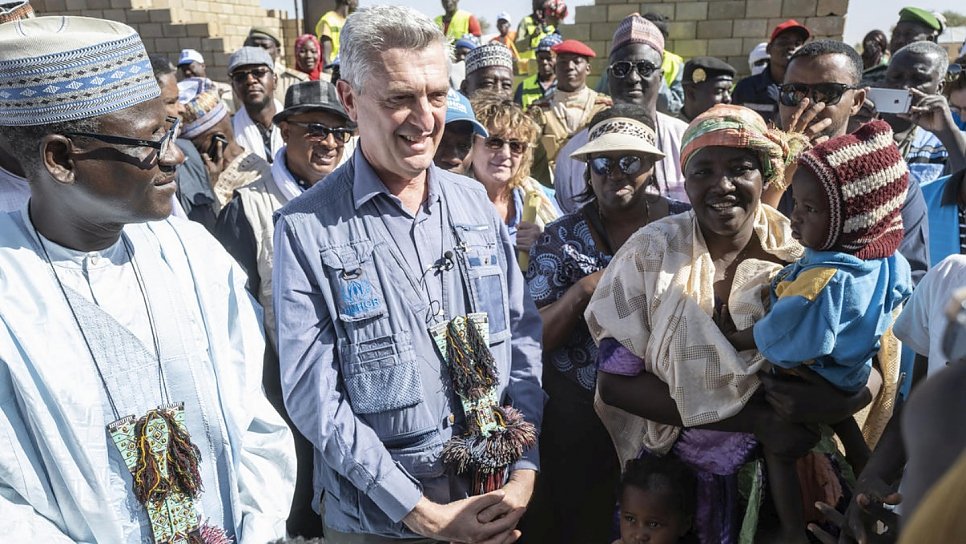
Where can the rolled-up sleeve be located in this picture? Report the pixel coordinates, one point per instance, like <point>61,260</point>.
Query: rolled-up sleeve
<point>526,366</point>
<point>313,390</point>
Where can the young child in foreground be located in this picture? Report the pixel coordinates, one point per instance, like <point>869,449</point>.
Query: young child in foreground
<point>657,500</point>
<point>830,308</point>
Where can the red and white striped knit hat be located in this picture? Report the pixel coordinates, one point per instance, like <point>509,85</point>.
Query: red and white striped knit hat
<point>865,179</point>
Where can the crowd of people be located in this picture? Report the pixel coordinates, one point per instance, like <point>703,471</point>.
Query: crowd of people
<point>422,288</point>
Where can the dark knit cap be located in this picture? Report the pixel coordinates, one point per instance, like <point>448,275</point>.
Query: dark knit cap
<point>865,179</point>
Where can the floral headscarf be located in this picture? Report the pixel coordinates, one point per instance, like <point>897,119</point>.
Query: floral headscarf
<point>315,71</point>
<point>737,126</point>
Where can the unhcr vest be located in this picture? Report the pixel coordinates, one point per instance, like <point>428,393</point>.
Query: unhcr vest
<point>459,25</point>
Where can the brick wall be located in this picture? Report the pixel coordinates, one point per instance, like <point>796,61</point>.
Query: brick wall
<point>213,27</point>
<point>728,29</point>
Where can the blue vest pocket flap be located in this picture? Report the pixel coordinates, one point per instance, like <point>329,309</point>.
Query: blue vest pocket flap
<point>355,280</point>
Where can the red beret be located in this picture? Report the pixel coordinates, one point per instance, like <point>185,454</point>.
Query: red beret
<point>573,47</point>
<point>790,24</point>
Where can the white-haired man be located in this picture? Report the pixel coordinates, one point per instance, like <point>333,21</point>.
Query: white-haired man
<point>397,297</point>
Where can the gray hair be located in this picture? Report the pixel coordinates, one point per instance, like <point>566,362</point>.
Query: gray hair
<point>925,49</point>
<point>371,31</point>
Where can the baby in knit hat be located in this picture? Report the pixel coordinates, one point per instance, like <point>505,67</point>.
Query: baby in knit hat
<point>831,307</point>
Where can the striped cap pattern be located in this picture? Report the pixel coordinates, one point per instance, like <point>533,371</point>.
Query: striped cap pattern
<point>46,78</point>
<point>865,180</point>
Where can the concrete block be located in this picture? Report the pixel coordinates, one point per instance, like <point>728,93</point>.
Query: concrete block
<point>590,14</point>
<point>190,43</point>
<point>114,15</point>
<point>739,63</point>
<point>175,31</point>
<point>579,31</point>
<point>832,7</point>
<point>747,44</point>
<point>724,47</point>
<point>714,29</point>
<point>799,8</point>
<point>665,9</point>
<point>726,10</point>
<point>202,30</point>
<point>55,6</point>
<point>76,5</point>
<point>159,15</point>
<point>166,45</point>
<point>826,26</point>
<point>602,31</point>
<point>763,8</point>
<point>682,30</point>
<point>601,47</point>
<point>691,48</point>
<point>151,30</point>
<point>98,4</point>
<point>619,11</point>
<point>751,28</point>
<point>691,11</point>
<point>120,4</point>
<point>136,17</point>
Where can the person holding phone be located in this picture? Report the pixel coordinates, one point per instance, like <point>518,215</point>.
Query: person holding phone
<point>227,165</point>
<point>927,135</point>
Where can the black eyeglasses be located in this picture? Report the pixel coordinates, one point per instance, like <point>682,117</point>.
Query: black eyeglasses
<point>161,145</point>
<point>241,76</point>
<point>517,147</point>
<point>792,94</point>
<point>622,69</point>
<point>954,72</point>
<point>318,131</point>
<point>628,164</point>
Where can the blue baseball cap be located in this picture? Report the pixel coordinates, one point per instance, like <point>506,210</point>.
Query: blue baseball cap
<point>458,108</point>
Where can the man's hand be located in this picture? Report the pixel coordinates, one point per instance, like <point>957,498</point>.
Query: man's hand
<point>803,121</point>
<point>883,524</point>
<point>460,521</point>
<point>527,234</point>
<point>217,165</point>
<point>518,489</point>
<point>931,112</point>
<point>865,510</point>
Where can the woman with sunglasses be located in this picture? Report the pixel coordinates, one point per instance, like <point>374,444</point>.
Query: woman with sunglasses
<point>669,380</point>
<point>501,162</point>
<point>565,265</point>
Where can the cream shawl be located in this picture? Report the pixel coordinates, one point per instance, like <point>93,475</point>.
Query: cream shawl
<point>657,299</point>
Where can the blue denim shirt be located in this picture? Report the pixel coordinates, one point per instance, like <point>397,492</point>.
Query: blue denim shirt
<point>357,280</point>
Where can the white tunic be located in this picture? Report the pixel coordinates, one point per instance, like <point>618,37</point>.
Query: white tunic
<point>61,478</point>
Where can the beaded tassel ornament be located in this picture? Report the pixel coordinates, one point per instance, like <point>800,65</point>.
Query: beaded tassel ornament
<point>495,436</point>
<point>164,464</point>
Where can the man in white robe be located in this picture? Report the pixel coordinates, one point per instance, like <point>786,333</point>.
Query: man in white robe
<point>109,308</point>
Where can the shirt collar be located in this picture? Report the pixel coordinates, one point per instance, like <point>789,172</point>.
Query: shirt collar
<point>367,184</point>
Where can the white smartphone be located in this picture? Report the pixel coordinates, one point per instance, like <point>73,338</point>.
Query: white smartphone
<point>890,100</point>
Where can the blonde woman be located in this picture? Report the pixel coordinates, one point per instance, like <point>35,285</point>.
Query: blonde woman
<point>501,162</point>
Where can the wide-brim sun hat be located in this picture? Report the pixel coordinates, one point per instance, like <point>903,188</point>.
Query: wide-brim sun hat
<point>619,134</point>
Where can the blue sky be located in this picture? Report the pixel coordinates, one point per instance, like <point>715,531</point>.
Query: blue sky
<point>864,15</point>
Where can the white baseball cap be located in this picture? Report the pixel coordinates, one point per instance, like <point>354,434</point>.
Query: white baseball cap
<point>190,55</point>
<point>503,15</point>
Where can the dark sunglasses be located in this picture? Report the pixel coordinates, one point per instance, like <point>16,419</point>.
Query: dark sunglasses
<point>517,147</point>
<point>792,94</point>
<point>241,76</point>
<point>318,131</point>
<point>161,145</point>
<point>954,72</point>
<point>628,164</point>
<point>622,69</point>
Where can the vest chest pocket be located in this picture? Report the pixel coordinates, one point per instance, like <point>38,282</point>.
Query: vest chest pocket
<point>487,278</point>
<point>355,281</point>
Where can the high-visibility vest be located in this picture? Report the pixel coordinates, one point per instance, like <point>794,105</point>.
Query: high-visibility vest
<point>333,21</point>
<point>531,29</point>
<point>671,65</point>
<point>532,91</point>
<point>459,25</point>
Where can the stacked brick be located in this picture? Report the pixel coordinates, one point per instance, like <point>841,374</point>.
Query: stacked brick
<point>728,29</point>
<point>213,27</point>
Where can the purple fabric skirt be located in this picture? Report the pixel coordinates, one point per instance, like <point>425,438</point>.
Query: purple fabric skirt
<point>716,457</point>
